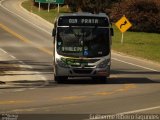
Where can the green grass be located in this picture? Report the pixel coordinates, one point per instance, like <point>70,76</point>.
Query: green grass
<point>140,44</point>
<point>144,45</point>
<point>49,16</point>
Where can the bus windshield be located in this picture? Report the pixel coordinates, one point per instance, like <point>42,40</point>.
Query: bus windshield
<point>83,41</point>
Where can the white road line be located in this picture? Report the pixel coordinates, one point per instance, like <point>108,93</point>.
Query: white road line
<point>27,66</point>
<point>43,78</point>
<point>24,19</point>
<point>132,57</point>
<point>12,56</point>
<point>139,110</point>
<point>135,65</point>
<point>3,51</point>
<point>19,90</point>
<point>8,53</point>
<point>31,88</point>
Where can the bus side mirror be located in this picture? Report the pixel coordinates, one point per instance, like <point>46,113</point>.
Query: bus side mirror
<point>54,32</point>
<point>112,31</point>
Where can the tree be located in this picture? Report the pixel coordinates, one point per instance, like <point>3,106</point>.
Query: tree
<point>143,14</point>
<point>93,6</point>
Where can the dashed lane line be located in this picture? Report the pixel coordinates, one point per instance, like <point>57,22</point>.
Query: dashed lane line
<point>70,97</point>
<point>11,102</point>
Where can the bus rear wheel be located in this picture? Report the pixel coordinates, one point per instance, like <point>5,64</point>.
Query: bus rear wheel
<point>60,79</point>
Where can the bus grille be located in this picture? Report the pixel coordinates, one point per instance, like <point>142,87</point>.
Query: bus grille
<point>83,71</point>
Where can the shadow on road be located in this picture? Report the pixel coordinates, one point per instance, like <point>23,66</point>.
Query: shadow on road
<point>136,72</point>
<point>70,82</point>
<point>125,80</point>
<point>46,68</point>
<point>26,68</point>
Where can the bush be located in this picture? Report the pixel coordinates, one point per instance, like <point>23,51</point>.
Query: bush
<point>143,14</point>
<point>89,5</point>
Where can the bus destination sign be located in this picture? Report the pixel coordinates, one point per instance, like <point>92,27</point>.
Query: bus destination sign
<point>83,21</point>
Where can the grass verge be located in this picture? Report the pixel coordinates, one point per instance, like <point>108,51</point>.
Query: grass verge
<point>140,44</point>
<point>49,16</point>
<point>144,45</point>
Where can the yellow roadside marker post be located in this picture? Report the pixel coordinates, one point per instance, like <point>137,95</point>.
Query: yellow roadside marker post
<point>123,25</point>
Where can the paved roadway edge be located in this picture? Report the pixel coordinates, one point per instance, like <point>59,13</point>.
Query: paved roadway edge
<point>35,15</point>
<point>24,18</point>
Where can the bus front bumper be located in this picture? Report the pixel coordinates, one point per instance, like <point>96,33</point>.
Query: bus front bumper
<point>82,72</point>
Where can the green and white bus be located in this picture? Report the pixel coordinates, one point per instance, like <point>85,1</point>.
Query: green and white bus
<point>82,46</point>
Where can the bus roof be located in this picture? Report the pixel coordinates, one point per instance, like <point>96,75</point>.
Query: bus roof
<point>84,14</point>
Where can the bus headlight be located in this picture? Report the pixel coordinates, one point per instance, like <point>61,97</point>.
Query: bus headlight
<point>103,64</point>
<point>62,63</point>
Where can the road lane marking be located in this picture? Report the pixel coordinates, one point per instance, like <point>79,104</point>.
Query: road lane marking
<point>139,110</point>
<point>13,56</point>
<point>135,65</point>
<point>24,39</point>
<point>104,93</point>
<point>23,64</point>
<point>3,50</point>
<point>121,90</point>
<point>73,97</point>
<point>20,90</point>
<point>133,57</point>
<point>10,102</point>
<point>126,87</point>
<point>130,86</point>
<point>24,18</point>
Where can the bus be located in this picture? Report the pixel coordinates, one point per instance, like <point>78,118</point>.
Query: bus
<point>82,46</point>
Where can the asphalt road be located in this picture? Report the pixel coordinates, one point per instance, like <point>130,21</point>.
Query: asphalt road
<point>134,85</point>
